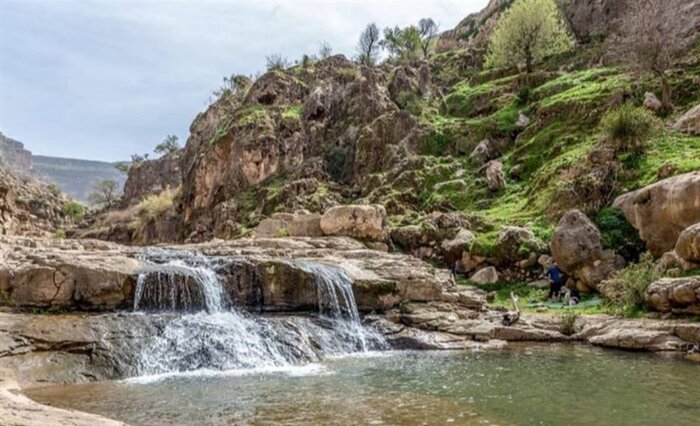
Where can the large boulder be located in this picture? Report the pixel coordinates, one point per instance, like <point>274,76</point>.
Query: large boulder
<point>357,221</point>
<point>483,152</point>
<point>487,275</point>
<point>495,178</point>
<point>661,211</point>
<point>516,243</point>
<point>675,295</point>
<point>305,225</point>
<point>576,246</point>
<point>453,248</point>
<point>689,122</point>
<point>688,245</point>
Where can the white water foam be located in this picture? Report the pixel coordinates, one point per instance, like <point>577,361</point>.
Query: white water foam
<point>221,340</point>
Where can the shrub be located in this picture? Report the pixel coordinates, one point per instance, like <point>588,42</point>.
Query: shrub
<point>568,323</point>
<point>74,210</point>
<point>154,206</point>
<point>276,62</point>
<point>627,289</point>
<point>618,234</point>
<point>60,233</point>
<point>628,128</point>
<point>523,96</point>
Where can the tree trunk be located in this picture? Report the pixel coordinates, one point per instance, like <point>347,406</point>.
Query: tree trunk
<point>528,63</point>
<point>666,92</point>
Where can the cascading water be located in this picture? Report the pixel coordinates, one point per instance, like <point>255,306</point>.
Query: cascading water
<point>213,334</point>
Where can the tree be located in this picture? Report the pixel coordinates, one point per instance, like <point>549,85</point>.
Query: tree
<point>105,193</point>
<point>428,30</point>
<point>529,31</point>
<point>123,167</point>
<point>169,145</point>
<point>368,46</point>
<point>325,50</point>
<point>276,62</point>
<point>403,43</point>
<point>650,39</point>
<point>236,85</point>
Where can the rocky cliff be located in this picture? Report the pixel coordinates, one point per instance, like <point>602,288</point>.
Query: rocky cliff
<point>476,169</point>
<point>13,155</point>
<point>30,207</point>
<point>74,177</point>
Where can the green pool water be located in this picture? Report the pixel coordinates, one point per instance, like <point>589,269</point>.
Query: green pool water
<point>529,385</point>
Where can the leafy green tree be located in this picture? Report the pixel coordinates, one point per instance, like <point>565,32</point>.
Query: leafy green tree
<point>105,193</point>
<point>169,145</point>
<point>369,45</point>
<point>74,210</point>
<point>402,43</point>
<point>528,31</point>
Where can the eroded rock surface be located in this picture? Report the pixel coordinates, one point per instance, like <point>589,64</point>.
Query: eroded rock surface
<point>661,211</point>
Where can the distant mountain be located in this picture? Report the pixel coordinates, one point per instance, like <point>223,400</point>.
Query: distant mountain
<point>74,177</point>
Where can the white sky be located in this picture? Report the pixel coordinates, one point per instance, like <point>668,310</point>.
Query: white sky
<point>103,79</point>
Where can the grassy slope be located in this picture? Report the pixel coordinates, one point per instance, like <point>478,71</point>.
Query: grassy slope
<point>565,109</point>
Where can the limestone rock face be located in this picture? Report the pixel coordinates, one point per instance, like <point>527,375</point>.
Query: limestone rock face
<point>357,221</point>
<point>54,274</point>
<point>661,211</point>
<point>29,207</point>
<point>152,177</point>
<point>689,122</point>
<point>576,245</point>
<point>688,245</point>
<point>676,295</point>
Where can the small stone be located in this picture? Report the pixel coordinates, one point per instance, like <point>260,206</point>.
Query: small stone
<point>651,102</point>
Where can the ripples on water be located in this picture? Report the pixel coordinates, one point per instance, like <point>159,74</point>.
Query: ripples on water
<point>540,385</point>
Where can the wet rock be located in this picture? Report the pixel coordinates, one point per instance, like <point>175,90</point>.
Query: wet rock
<point>660,212</point>
<point>17,409</point>
<point>688,245</point>
<point>357,221</point>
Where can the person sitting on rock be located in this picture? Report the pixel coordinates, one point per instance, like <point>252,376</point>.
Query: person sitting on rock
<point>556,280</point>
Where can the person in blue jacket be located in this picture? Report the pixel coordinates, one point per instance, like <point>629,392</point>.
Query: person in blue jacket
<point>556,280</point>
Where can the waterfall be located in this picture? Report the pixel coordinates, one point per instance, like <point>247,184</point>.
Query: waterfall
<point>183,282</point>
<point>212,334</point>
<point>337,301</point>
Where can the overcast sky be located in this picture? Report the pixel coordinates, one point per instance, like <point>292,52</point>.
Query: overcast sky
<point>103,79</point>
